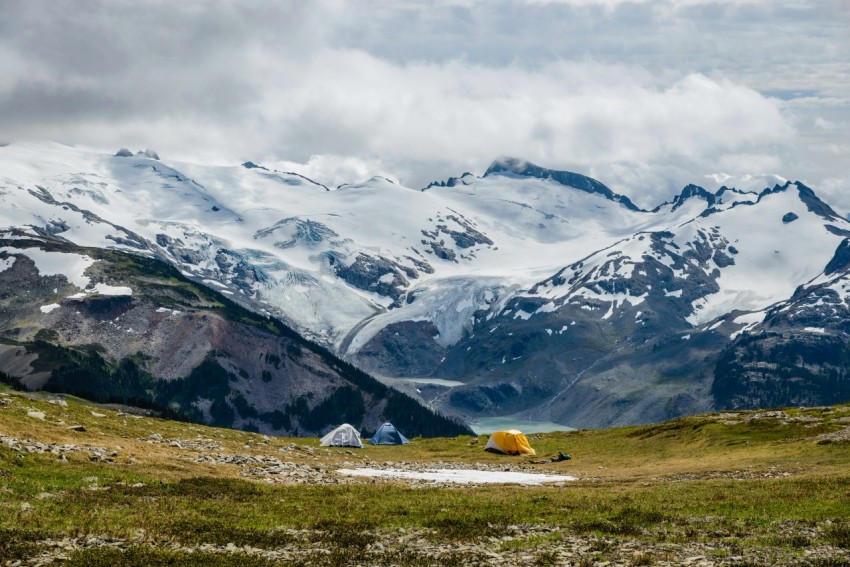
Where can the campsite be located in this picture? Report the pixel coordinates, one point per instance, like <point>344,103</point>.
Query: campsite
<point>734,488</point>
<point>343,436</point>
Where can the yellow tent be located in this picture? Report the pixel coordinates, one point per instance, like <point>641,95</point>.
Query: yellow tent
<point>512,442</point>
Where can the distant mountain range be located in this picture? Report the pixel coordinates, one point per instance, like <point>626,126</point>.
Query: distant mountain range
<point>525,292</point>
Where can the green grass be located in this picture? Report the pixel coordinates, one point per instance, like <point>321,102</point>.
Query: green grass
<point>217,510</point>
<point>695,479</point>
<point>139,555</point>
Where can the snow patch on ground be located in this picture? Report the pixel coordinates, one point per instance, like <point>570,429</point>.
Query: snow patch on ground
<point>104,289</point>
<point>72,266</point>
<point>546,308</point>
<point>49,308</point>
<point>749,321</point>
<point>215,283</point>
<point>6,263</point>
<point>461,476</point>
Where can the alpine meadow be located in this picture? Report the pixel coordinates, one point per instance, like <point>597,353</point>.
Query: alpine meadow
<point>435,283</point>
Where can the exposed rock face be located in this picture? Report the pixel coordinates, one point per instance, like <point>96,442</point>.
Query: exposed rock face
<point>375,274</point>
<point>465,179</point>
<point>693,191</point>
<point>798,355</point>
<point>571,367</point>
<point>466,237</point>
<point>160,341</point>
<point>840,262</point>
<point>403,349</point>
<point>296,230</point>
<point>783,369</point>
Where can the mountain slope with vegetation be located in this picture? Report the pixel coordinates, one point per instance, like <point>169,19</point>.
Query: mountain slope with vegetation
<point>140,333</point>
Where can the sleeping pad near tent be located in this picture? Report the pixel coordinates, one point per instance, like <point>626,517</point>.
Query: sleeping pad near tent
<point>510,442</point>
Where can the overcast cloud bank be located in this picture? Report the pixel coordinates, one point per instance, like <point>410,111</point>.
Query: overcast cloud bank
<point>646,96</point>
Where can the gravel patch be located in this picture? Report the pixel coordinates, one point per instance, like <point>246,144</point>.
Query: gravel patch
<point>99,454</point>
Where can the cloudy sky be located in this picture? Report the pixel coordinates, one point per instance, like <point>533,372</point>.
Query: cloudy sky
<point>647,96</point>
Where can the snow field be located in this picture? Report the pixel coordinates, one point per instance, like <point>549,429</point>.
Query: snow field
<point>537,227</point>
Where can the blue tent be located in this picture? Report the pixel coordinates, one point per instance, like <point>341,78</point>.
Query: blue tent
<point>387,434</point>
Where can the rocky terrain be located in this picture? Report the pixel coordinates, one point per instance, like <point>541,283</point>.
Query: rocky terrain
<point>558,548</point>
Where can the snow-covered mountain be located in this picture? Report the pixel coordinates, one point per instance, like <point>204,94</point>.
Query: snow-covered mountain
<point>536,292</point>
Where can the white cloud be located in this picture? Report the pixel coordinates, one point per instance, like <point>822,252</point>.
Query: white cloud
<point>562,114</point>
<point>646,96</point>
<point>335,170</point>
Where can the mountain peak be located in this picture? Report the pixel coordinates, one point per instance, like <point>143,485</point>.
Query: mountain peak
<point>578,181</point>
<point>692,190</point>
<point>506,164</point>
<point>465,179</point>
<point>813,202</point>
<point>688,192</point>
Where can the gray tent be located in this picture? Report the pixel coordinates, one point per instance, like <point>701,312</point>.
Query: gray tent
<point>343,436</point>
<point>387,434</point>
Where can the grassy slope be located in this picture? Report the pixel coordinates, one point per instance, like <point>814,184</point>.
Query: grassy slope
<point>700,479</point>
